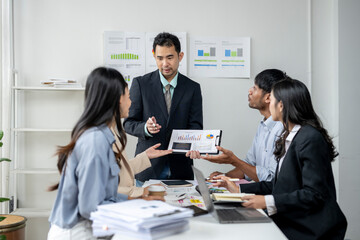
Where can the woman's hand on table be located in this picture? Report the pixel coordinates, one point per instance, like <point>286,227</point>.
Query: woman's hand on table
<point>254,201</point>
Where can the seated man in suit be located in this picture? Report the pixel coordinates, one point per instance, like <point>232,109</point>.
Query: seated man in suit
<point>164,100</point>
<point>259,163</point>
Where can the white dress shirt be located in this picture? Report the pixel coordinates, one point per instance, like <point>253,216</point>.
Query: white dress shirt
<point>269,199</point>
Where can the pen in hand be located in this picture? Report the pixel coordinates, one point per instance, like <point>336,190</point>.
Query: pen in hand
<point>219,180</point>
<point>153,124</point>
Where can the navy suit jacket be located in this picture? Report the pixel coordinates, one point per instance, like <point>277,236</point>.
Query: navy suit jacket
<point>148,100</point>
<point>304,190</point>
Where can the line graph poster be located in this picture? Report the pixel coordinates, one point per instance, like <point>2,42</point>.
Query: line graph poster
<point>220,57</point>
<point>125,51</point>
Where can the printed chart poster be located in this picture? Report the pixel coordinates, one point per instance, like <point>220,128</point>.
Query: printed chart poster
<point>125,51</point>
<point>220,57</point>
<point>150,61</point>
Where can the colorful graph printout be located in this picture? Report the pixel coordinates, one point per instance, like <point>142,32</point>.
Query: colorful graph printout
<point>188,137</point>
<point>227,57</point>
<point>209,136</point>
<point>125,51</point>
<point>204,141</point>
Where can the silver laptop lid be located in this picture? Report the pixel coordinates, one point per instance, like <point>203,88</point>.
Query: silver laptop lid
<point>204,191</point>
<point>251,215</point>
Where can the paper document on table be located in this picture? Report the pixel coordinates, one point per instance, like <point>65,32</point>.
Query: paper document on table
<point>140,218</point>
<point>179,190</point>
<point>204,141</point>
<point>140,209</point>
<point>143,234</point>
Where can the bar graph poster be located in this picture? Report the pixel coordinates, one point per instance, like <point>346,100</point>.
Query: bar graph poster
<point>125,51</point>
<point>150,61</point>
<point>220,57</point>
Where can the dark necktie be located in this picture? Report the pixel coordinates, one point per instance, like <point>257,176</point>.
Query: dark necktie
<point>168,97</point>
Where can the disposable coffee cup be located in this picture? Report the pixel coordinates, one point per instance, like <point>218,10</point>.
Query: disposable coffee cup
<point>156,190</point>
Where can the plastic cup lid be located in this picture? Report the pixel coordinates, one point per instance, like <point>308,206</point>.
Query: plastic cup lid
<point>156,188</point>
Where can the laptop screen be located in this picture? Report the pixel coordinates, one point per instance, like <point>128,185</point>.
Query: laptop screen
<point>247,215</point>
<point>204,190</point>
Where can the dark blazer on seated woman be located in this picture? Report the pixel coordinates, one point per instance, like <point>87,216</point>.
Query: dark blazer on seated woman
<point>304,190</point>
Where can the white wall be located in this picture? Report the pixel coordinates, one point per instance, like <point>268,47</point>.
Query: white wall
<point>64,39</point>
<point>335,51</point>
<point>324,57</point>
<point>349,115</point>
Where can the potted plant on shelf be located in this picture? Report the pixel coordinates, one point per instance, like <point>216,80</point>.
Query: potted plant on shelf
<point>11,226</point>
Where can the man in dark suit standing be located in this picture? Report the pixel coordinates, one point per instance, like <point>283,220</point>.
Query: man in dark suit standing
<point>164,100</point>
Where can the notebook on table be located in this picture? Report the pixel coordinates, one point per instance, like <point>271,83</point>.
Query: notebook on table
<point>228,214</point>
<point>229,197</point>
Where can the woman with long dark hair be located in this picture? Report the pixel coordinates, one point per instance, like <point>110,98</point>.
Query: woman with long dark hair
<point>301,199</point>
<point>88,166</point>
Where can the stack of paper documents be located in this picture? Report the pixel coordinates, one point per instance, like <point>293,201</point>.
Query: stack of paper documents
<point>140,219</point>
<point>61,83</point>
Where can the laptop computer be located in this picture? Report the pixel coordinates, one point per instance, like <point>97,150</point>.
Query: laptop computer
<point>227,214</point>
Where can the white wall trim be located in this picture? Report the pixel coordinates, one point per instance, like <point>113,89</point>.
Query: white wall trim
<point>309,45</point>
<point>336,93</point>
<point>7,66</point>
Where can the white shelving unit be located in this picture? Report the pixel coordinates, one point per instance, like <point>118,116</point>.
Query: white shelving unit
<point>30,140</point>
<point>40,130</point>
<point>47,88</point>
<point>20,136</point>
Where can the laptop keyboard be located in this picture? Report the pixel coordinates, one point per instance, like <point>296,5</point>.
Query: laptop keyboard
<point>229,215</point>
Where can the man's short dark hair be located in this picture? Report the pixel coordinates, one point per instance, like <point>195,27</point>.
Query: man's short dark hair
<point>267,78</point>
<point>168,40</point>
